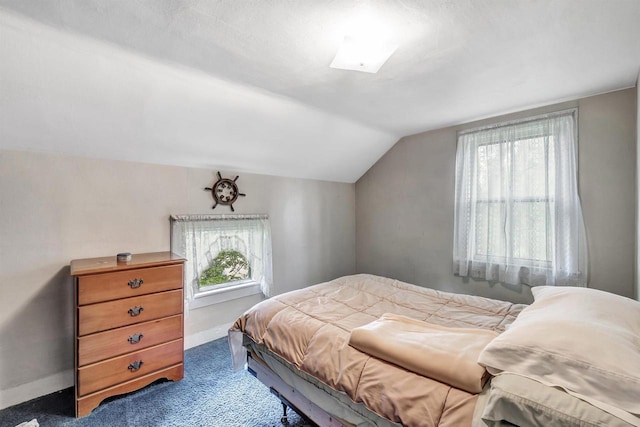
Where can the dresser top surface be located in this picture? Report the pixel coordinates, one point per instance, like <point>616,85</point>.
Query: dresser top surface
<point>81,267</point>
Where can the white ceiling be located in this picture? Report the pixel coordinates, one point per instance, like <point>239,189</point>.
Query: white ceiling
<point>245,85</point>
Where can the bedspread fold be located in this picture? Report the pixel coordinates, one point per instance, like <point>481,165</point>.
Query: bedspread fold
<point>445,354</point>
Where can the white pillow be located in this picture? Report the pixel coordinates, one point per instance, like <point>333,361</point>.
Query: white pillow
<point>582,340</point>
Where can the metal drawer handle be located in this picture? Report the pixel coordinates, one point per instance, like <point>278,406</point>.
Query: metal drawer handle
<point>135,338</point>
<point>135,283</point>
<point>135,311</point>
<point>135,365</point>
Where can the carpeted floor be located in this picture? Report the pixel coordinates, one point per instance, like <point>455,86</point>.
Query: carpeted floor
<point>210,395</point>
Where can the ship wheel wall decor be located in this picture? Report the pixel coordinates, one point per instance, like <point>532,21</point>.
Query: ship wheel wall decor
<point>225,191</point>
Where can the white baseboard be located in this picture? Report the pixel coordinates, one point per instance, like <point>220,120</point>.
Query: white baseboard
<point>202,337</point>
<point>22,393</point>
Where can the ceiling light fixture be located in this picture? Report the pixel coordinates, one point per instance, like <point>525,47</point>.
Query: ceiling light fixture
<point>367,42</point>
<point>366,55</point>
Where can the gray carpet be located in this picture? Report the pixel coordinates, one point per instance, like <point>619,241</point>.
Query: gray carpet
<point>209,395</point>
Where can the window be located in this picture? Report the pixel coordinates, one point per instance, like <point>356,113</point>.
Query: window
<point>517,212</point>
<point>228,256</point>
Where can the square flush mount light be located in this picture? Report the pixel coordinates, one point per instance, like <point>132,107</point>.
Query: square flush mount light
<point>362,55</point>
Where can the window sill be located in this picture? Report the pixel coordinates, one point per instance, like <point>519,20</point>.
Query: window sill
<point>217,296</point>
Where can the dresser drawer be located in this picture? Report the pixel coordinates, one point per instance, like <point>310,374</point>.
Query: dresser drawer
<point>113,314</point>
<point>120,369</point>
<point>105,345</point>
<point>95,288</point>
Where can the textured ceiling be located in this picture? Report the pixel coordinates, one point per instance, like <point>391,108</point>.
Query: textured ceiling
<point>246,85</point>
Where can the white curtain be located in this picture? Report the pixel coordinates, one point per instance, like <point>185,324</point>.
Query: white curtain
<point>518,218</point>
<point>199,238</point>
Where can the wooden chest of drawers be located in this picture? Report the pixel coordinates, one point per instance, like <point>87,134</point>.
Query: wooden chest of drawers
<point>128,324</point>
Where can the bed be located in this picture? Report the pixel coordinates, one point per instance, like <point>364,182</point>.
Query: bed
<point>367,350</point>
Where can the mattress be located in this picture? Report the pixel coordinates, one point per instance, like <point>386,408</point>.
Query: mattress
<point>309,330</point>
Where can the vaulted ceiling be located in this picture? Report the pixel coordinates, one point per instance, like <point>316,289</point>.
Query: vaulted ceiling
<point>245,85</point>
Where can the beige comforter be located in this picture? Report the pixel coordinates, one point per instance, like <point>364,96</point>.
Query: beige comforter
<point>311,327</point>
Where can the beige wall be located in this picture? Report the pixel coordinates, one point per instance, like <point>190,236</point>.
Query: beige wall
<point>55,208</point>
<point>404,203</point>
<point>637,270</point>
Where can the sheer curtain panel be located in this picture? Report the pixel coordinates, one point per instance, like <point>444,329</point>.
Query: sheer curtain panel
<point>518,218</point>
<point>201,238</point>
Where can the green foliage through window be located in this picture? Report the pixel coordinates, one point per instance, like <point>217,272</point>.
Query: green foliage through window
<point>227,266</point>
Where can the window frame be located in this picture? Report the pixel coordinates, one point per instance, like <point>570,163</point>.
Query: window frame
<point>243,289</point>
<point>499,259</point>
<point>197,296</point>
<point>540,236</point>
